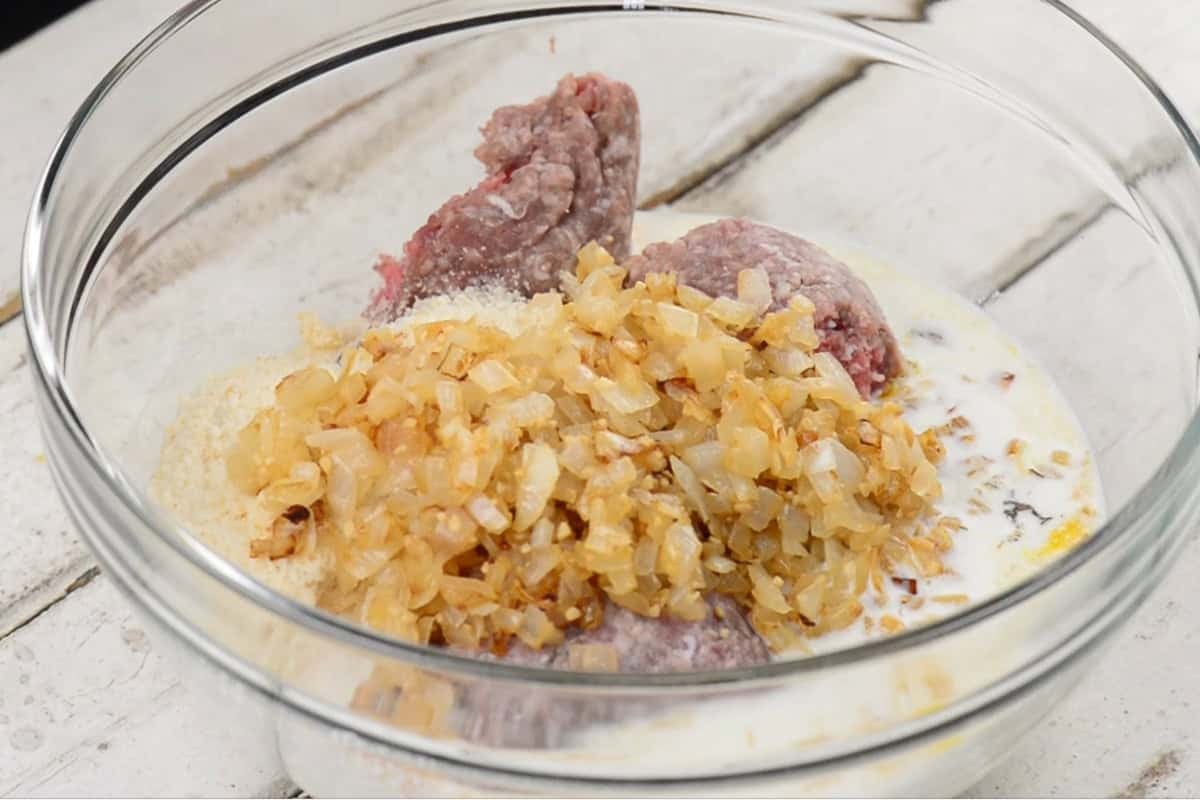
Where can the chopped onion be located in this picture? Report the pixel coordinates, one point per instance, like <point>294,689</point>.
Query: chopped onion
<point>749,452</point>
<point>691,486</point>
<point>536,629</point>
<point>626,399</point>
<point>765,591</point>
<point>487,513</point>
<point>732,313</point>
<point>492,376</point>
<point>679,556</point>
<point>645,444</point>
<point>754,289</point>
<point>539,474</point>
<point>678,321</point>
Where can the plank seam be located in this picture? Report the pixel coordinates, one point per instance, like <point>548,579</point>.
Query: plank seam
<point>89,575</point>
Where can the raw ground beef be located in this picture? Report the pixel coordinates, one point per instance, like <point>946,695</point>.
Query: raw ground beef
<point>562,171</point>
<point>849,322</point>
<point>516,716</point>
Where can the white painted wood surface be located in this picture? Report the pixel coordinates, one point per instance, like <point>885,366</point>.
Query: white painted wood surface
<point>88,705</point>
<point>1130,728</point>
<point>43,79</point>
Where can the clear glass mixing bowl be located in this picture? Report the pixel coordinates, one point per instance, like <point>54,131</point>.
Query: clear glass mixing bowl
<point>240,165</point>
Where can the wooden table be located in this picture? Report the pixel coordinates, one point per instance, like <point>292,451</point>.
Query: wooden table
<point>87,705</point>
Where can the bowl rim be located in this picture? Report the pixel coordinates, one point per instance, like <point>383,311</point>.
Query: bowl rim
<point>1151,498</point>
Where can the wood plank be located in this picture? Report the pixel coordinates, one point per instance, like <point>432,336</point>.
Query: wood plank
<point>37,109</point>
<point>961,191</point>
<point>92,705</point>
<point>1130,376</point>
<point>431,102</point>
<point>40,555</point>
<point>1130,729</point>
<point>1155,34</point>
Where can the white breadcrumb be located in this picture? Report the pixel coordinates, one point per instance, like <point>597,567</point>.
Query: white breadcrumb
<point>493,305</point>
<point>191,483</point>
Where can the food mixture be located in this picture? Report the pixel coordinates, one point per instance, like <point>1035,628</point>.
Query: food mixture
<point>576,439</point>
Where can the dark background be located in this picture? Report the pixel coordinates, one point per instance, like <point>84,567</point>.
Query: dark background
<point>20,18</point>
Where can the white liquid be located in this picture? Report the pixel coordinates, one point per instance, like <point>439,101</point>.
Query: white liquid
<point>959,362</point>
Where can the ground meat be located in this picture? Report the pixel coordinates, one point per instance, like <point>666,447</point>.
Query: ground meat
<point>655,645</point>
<point>562,171</point>
<point>848,320</point>
<point>516,716</point>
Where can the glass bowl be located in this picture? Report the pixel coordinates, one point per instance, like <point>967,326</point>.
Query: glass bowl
<point>239,166</point>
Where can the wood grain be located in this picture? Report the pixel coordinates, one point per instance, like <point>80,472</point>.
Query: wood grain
<point>90,706</point>
<point>40,555</point>
<point>431,102</point>
<point>37,109</point>
<point>1129,376</point>
<point>861,167</point>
